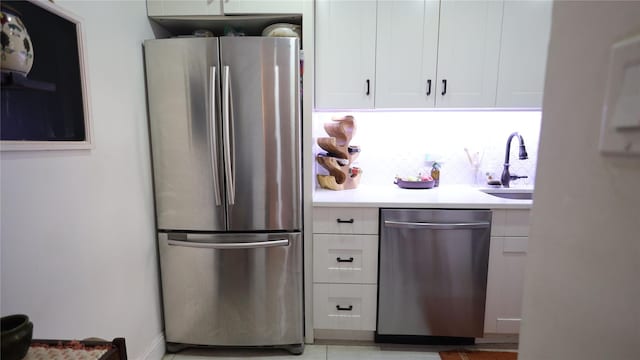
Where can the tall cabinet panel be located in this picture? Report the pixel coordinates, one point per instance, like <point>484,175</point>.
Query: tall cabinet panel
<point>345,54</point>
<point>469,47</point>
<point>406,53</point>
<point>523,54</point>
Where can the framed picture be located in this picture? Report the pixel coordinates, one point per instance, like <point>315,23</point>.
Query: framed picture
<point>45,92</point>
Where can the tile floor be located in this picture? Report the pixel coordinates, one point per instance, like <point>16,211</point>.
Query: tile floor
<point>318,352</point>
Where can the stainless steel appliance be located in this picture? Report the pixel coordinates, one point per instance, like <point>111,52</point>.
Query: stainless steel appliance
<point>224,118</point>
<point>432,275</point>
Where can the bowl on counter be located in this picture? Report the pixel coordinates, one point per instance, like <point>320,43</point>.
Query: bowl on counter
<point>17,331</point>
<point>414,184</point>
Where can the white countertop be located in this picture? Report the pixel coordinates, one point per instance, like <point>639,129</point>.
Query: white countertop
<point>447,196</point>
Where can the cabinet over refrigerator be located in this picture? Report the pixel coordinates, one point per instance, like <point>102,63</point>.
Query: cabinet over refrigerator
<point>224,119</point>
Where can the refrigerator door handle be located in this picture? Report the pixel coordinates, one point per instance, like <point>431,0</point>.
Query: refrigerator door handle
<point>212,135</point>
<point>226,113</point>
<point>249,245</point>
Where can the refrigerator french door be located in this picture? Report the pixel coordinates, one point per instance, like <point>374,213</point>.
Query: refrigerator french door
<point>224,119</point>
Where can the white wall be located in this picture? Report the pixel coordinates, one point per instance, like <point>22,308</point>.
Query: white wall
<point>77,227</point>
<point>582,287</point>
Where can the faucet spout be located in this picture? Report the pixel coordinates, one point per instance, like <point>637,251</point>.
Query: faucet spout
<point>506,176</point>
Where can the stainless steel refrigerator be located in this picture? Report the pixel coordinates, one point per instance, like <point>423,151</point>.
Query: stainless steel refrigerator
<point>225,128</point>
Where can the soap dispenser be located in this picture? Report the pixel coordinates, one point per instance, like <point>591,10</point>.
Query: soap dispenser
<point>435,173</point>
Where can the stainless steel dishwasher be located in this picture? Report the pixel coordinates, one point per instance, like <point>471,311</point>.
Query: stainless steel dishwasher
<point>432,275</point>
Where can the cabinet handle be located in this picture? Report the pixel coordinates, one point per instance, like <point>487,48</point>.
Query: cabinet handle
<point>368,87</point>
<point>444,87</point>
<point>348,308</point>
<point>428,87</point>
<point>339,259</point>
<point>340,221</point>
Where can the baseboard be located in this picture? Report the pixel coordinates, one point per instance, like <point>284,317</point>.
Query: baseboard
<point>156,350</point>
<point>498,339</point>
<point>343,335</point>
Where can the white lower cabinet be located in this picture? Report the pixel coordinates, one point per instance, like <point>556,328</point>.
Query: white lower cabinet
<point>345,268</point>
<point>345,220</point>
<point>344,306</point>
<point>351,259</point>
<point>507,258</point>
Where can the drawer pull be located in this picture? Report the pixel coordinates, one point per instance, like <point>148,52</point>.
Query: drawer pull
<point>348,308</point>
<point>340,221</point>
<point>339,259</point>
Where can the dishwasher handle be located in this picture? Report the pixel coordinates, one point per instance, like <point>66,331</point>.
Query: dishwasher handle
<point>437,225</point>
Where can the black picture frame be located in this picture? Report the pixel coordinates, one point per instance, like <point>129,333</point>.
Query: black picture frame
<point>49,108</point>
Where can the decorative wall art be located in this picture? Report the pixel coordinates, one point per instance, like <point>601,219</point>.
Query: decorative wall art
<point>45,101</point>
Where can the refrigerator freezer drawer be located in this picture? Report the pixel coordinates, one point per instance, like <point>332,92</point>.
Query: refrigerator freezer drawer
<point>232,289</point>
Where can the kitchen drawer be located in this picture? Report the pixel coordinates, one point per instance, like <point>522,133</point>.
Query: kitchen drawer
<point>345,258</point>
<point>510,222</point>
<point>345,220</point>
<point>344,306</point>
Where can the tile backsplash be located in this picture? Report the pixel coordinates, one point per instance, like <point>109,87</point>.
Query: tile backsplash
<point>401,143</point>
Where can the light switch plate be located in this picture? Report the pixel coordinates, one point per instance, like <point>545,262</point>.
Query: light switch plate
<point>620,131</point>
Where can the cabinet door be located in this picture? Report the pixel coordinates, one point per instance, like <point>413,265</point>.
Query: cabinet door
<point>183,7</point>
<point>345,54</point>
<point>505,279</point>
<point>406,53</point>
<point>523,54</point>
<point>468,53</point>
<point>262,6</point>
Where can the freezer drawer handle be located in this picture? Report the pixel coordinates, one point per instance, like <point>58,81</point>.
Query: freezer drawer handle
<point>339,259</point>
<point>437,226</point>
<point>348,308</point>
<point>340,221</point>
<point>250,245</point>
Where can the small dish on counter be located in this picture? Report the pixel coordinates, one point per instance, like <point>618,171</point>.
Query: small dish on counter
<point>428,184</point>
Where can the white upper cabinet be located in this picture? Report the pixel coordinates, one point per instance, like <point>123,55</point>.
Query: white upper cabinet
<point>183,7</point>
<point>406,53</point>
<point>222,7</point>
<point>431,53</point>
<point>345,54</point>
<point>468,53</point>
<point>262,6</point>
<point>523,54</point>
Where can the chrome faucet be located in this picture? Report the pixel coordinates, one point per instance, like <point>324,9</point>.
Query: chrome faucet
<point>506,177</point>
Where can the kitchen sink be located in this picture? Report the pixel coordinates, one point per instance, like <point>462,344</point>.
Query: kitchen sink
<point>514,194</point>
